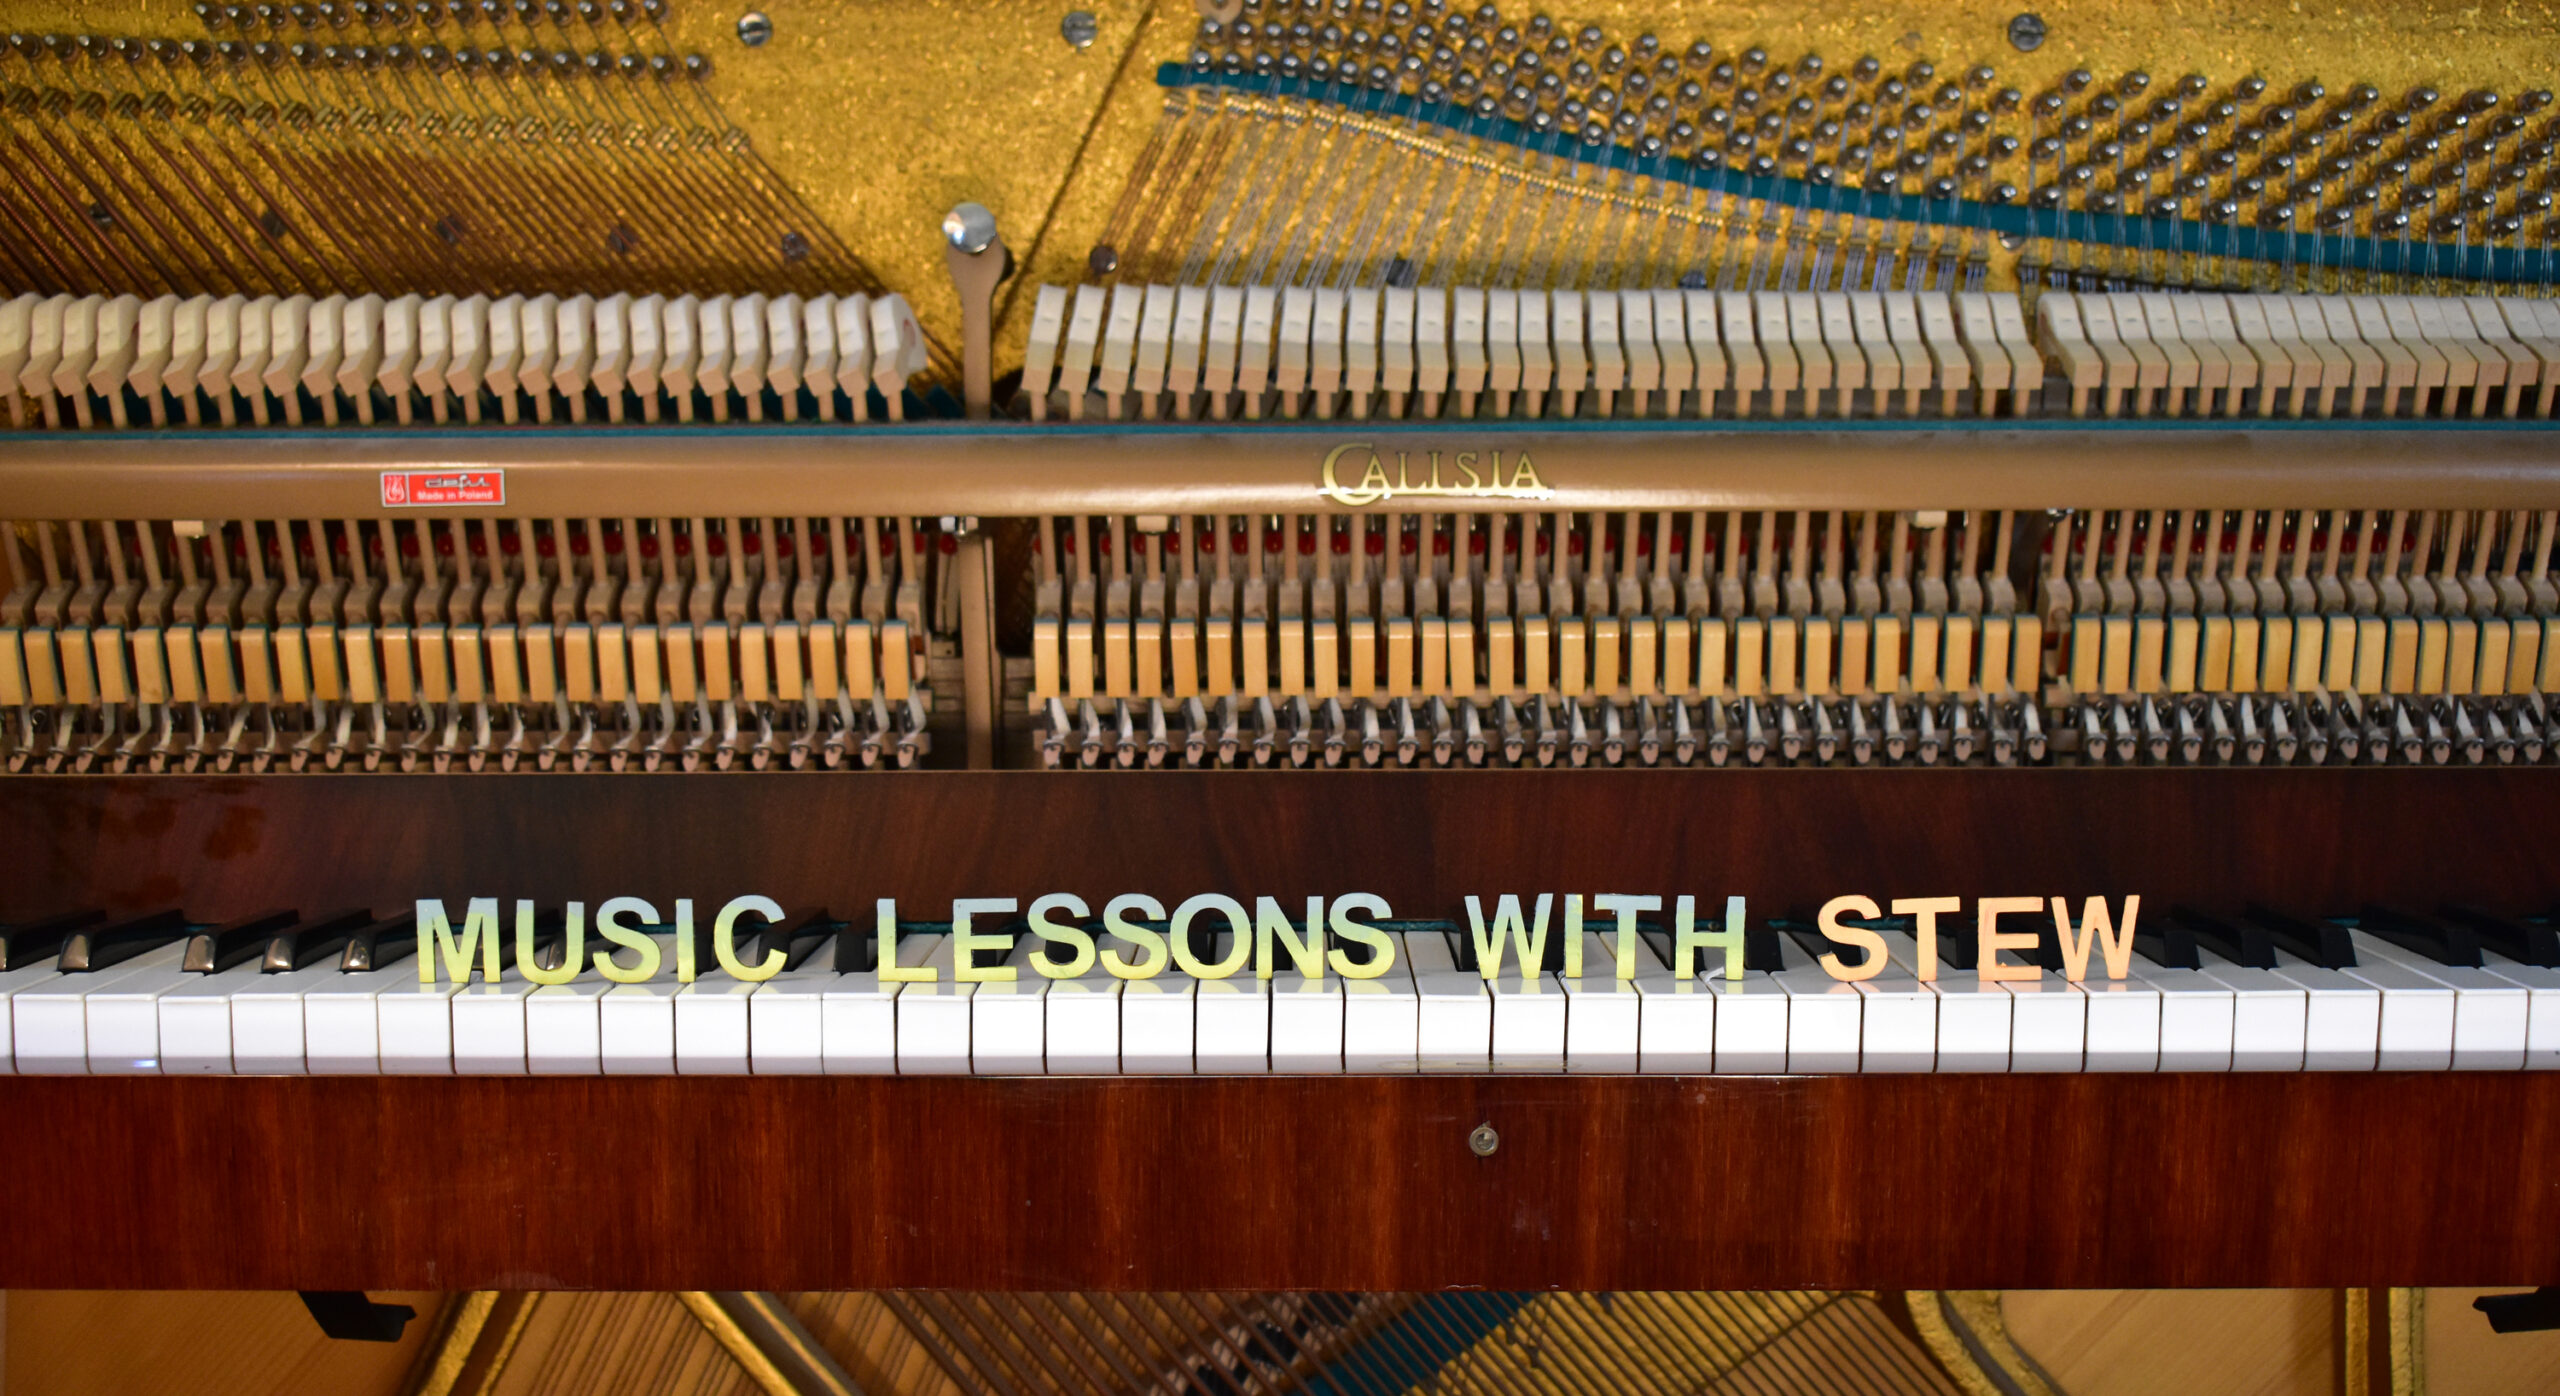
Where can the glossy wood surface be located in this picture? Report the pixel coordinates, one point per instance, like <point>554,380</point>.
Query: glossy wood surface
<point>2310,839</point>
<point>783,1183</point>
<point>1360,1183</point>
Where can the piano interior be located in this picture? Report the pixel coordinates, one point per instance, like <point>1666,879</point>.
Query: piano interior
<point>1341,694</point>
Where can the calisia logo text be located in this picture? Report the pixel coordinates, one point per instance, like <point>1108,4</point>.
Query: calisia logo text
<point>1355,474</point>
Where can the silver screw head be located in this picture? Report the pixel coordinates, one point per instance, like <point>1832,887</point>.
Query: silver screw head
<point>1080,28</point>
<point>1482,1141</point>
<point>754,28</point>
<point>969,227</point>
<point>2026,32</point>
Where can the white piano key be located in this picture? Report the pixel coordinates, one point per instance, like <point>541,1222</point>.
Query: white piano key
<point>1156,1025</point>
<point>1082,1023</point>
<point>1008,1020</point>
<point>342,1020</point>
<point>2417,1016</point>
<point>413,1023</point>
<point>858,1017</point>
<point>1454,1024</point>
<point>2123,1024</point>
<point>1306,1021</point>
<point>2048,1025</point>
<point>1528,1019</point>
<point>933,1017</point>
<point>564,1026</point>
<point>2269,1015</point>
<point>1823,1015</point>
<point>1231,1023</point>
<point>2342,1026</point>
<point>1975,1021</point>
<point>1750,1019</point>
<point>2542,1021</point>
<point>1603,1027</point>
<point>1675,1018</point>
<point>636,1023</point>
<point>1898,1022</point>
<point>11,982</point>
<point>124,1018</point>
<point>488,1025</point>
<point>2490,1012</point>
<point>196,1022</point>
<point>786,1019</point>
<point>712,1034</point>
<point>1382,1017</point>
<point>2196,1013</point>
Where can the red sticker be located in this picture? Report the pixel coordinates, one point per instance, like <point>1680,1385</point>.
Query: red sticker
<point>422,489</point>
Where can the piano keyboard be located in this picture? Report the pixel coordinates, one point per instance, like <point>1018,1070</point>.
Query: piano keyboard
<point>1129,351</point>
<point>2398,992</point>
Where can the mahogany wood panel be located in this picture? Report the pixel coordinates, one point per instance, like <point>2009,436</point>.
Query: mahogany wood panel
<point>1365,1183</point>
<point>2311,839</point>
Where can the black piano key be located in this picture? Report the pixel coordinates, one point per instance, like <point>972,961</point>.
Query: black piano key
<point>799,935</point>
<point>312,942</point>
<point>1760,947</point>
<point>2046,954</point>
<point>2167,944</point>
<point>858,944</point>
<point>2241,942</point>
<point>2445,942</point>
<point>384,943</point>
<point>2321,941</point>
<point>94,948</point>
<point>219,947</point>
<point>35,942</point>
<point>2525,942</point>
<point>988,954</point>
<point>550,940</point>
<point>1960,941</point>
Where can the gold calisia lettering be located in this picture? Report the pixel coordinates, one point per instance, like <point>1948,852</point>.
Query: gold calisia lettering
<point>1372,483</point>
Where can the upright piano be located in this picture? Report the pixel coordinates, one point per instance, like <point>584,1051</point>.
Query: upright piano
<point>1300,644</point>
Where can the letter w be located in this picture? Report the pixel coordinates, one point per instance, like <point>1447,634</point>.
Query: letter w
<point>479,933</point>
<point>1508,925</point>
<point>2095,924</point>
